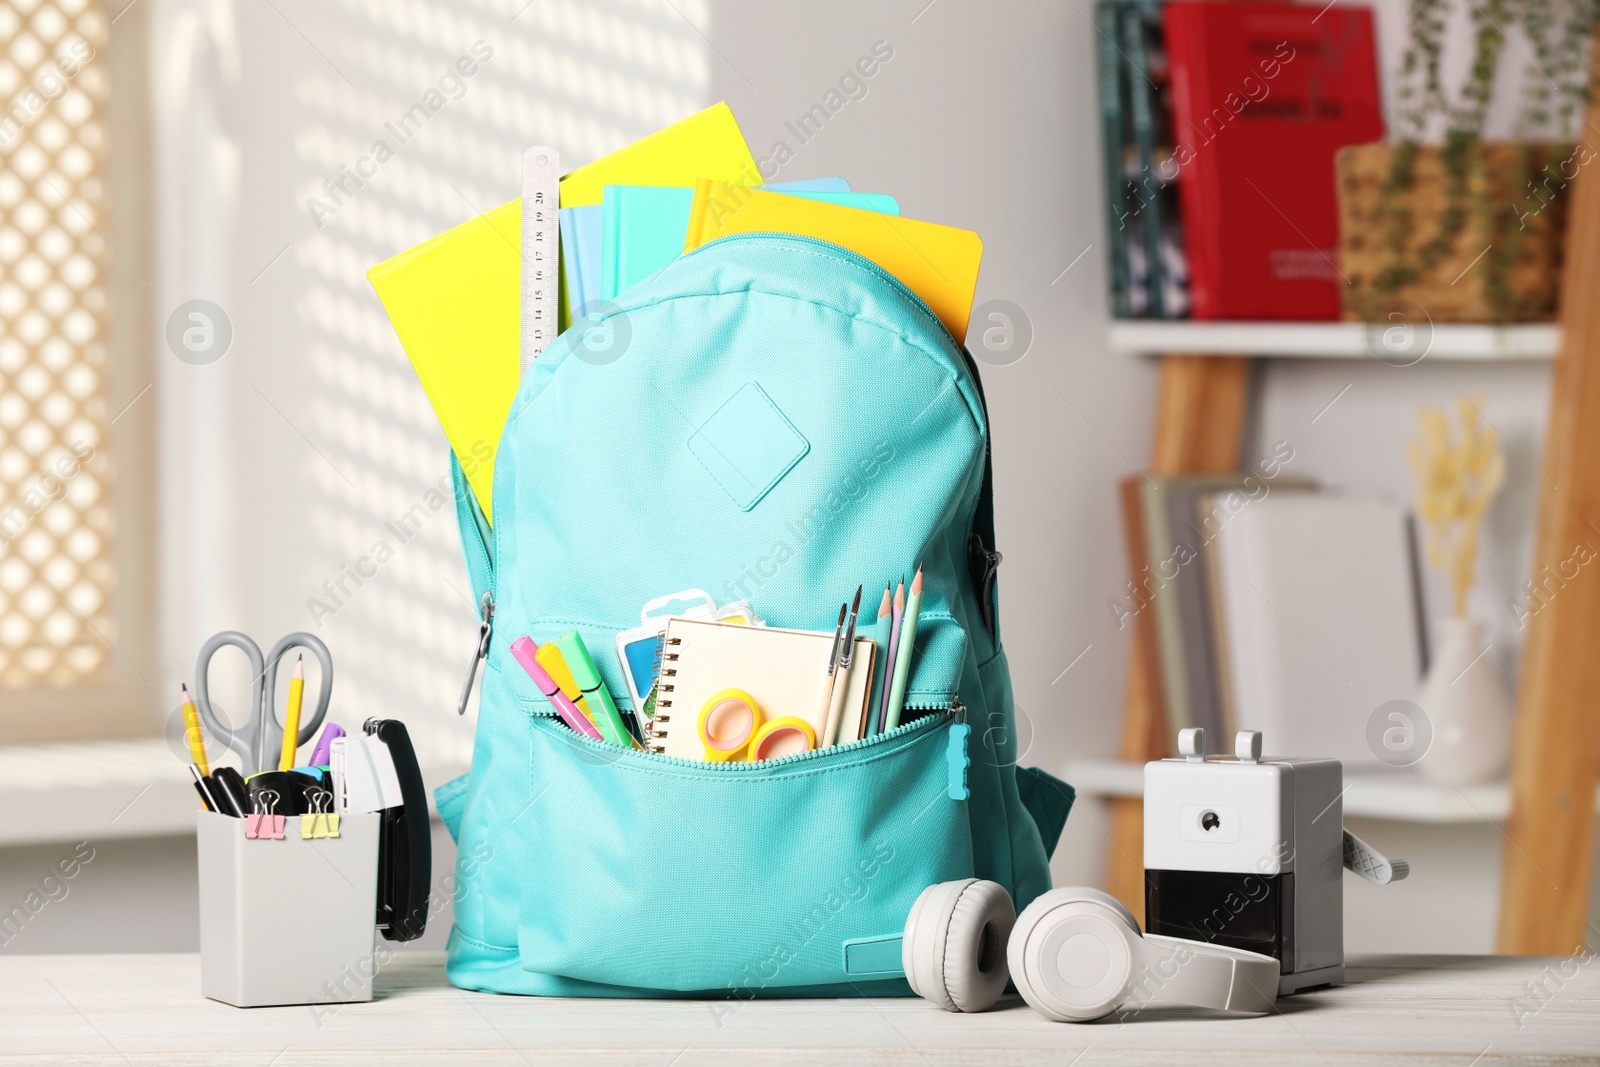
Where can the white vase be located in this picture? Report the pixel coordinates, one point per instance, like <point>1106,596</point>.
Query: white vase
<point>1468,708</point>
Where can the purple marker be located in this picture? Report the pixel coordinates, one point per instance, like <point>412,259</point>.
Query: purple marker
<point>324,750</point>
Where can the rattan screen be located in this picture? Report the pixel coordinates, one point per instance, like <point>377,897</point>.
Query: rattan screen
<point>55,523</point>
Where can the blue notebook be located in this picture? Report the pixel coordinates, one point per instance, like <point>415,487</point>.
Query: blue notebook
<point>643,226</point>
<point>581,241</point>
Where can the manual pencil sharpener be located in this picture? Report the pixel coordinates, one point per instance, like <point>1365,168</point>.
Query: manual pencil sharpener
<point>1250,853</point>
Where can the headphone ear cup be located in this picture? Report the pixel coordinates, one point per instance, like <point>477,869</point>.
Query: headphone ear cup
<point>1072,955</point>
<point>1100,896</point>
<point>922,947</point>
<point>975,969</point>
<point>953,951</point>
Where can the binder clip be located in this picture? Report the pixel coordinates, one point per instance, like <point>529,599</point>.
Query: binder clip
<point>264,823</point>
<point>316,823</point>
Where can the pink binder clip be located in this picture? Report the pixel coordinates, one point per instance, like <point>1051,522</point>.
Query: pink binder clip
<point>262,824</point>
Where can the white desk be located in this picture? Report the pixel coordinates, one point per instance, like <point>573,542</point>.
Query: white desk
<point>1455,1010</point>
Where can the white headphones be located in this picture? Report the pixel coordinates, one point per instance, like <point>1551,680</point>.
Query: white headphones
<point>1075,954</point>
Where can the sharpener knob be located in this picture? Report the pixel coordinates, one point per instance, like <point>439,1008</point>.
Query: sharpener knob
<point>1247,746</point>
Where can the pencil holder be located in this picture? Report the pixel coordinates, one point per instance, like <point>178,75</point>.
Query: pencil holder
<point>290,920</point>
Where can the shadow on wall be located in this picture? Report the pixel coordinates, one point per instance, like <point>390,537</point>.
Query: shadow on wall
<point>420,127</point>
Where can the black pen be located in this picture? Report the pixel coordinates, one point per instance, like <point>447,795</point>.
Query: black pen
<point>202,787</point>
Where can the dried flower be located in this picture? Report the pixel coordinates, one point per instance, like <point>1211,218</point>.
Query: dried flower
<point>1456,480</point>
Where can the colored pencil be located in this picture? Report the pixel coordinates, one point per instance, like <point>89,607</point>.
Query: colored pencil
<point>894,648</point>
<point>902,663</point>
<point>291,714</point>
<point>191,733</point>
<point>880,666</point>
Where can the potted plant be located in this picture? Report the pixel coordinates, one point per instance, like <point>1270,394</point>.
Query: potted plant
<point>1464,229</point>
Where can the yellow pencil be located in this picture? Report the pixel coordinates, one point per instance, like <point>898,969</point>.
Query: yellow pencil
<point>291,715</point>
<point>191,733</point>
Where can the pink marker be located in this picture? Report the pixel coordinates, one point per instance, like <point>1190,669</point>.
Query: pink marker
<point>524,649</point>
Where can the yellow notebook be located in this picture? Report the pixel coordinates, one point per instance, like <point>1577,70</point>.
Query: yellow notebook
<point>707,144</point>
<point>938,263</point>
<point>785,670</point>
<point>455,300</point>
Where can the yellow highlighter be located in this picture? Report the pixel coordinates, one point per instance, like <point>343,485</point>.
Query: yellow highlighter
<point>291,715</point>
<point>555,665</point>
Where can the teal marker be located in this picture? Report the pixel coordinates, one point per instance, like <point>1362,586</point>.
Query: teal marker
<point>595,694</point>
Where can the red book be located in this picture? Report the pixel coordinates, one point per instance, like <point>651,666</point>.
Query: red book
<point>1263,96</point>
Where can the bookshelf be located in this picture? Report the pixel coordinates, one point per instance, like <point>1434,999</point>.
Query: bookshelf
<point>1201,405</point>
<point>1332,340</point>
<point>1548,857</point>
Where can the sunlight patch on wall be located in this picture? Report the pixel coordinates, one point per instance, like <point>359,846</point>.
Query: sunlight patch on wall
<point>454,93</point>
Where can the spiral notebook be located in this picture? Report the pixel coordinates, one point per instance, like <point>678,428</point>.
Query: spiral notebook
<point>784,670</point>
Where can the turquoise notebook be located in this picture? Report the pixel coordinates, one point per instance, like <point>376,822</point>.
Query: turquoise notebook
<point>643,226</point>
<point>581,242</point>
<point>580,255</point>
<point>810,185</point>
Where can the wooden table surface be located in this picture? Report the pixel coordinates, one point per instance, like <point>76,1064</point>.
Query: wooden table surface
<point>1468,1011</point>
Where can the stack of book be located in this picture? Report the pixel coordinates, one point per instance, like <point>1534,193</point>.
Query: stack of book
<point>1264,603</point>
<point>1220,122</point>
<point>1148,268</point>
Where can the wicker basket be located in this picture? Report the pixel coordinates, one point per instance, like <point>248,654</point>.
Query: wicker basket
<point>1503,262</point>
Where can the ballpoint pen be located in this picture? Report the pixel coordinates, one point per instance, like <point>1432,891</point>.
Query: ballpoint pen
<point>841,676</point>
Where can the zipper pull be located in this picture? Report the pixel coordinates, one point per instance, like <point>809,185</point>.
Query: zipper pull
<point>484,629</point>
<point>957,762</point>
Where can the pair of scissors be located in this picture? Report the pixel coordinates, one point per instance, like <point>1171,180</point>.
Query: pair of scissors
<point>733,727</point>
<point>260,739</point>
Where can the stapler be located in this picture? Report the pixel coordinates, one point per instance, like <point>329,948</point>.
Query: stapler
<point>378,771</point>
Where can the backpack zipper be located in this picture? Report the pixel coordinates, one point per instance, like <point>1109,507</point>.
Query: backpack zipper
<point>990,560</point>
<point>935,714</point>
<point>486,608</point>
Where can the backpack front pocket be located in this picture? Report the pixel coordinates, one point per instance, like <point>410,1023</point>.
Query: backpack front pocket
<point>732,879</point>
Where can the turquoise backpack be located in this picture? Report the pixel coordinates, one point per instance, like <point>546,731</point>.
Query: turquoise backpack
<point>769,418</point>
